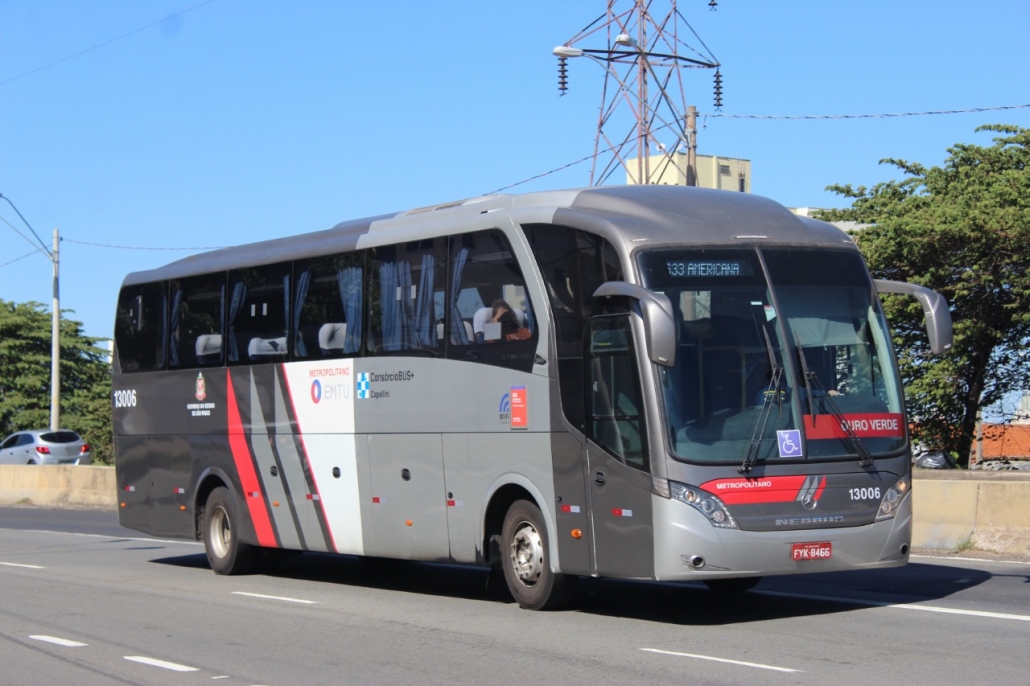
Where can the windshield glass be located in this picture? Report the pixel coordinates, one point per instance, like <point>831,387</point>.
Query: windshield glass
<point>738,389</point>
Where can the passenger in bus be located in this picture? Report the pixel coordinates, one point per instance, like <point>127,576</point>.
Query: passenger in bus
<point>511,328</point>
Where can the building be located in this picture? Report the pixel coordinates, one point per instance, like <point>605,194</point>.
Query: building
<point>1006,442</point>
<point>725,173</point>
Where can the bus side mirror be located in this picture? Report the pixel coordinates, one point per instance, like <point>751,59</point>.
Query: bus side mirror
<point>659,324</point>
<point>935,307</point>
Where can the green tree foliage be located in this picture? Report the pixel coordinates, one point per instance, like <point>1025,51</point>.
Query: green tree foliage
<point>25,377</point>
<point>962,229</point>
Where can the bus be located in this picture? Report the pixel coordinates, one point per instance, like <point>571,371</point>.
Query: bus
<point>641,382</point>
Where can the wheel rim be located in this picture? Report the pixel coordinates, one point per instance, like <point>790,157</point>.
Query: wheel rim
<point>220,532</point>
<point>527,554</point>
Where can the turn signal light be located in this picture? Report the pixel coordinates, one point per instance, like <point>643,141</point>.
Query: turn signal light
<point>577,534</point>
<point>182,507</point>
<point>408,523</point>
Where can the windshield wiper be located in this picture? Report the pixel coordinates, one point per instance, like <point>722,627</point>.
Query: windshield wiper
<point>776,376</point>
<point>864,458</point>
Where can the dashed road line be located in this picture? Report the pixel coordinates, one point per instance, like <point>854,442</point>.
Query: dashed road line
<point>59,641</point>
<point>900,606</point>
<point>740,663</point>
<point>153,662</point>
<point>276,597</point>
<point>24,566</point>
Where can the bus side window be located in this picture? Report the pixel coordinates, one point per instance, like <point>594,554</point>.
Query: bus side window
<point>139,330</point>
<point>327,306</point>
<point>195,321</point>
<point>258,314</point>
<point>491,317</point>
<point>405,298</point>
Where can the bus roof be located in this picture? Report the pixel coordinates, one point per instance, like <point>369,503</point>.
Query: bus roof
<point>635,216</point>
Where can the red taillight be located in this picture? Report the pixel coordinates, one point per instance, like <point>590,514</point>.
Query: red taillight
<point>42,450</point>
<point>84,449</point>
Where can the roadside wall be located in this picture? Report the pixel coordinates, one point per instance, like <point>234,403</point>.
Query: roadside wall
<point>985,510</point>
<point>953,509</point>
<point>58,486</point>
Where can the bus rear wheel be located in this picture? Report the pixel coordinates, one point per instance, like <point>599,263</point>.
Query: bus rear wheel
<point>225,552</point>
<point>526,560</point>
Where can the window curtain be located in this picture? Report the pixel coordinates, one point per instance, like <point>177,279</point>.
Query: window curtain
<point>303,282</point>
<point>390,305</point>
<point>239,293</point>
<point>173,330</point>
<point>286,313</point>
<point>458,334</point>
<point>424,329</point>
<point>349,281</point>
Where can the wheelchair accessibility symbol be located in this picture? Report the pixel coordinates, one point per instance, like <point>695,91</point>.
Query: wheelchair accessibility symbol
<point>790,443</point>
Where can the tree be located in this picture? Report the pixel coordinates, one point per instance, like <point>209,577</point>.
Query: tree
<point>25,347</point>
<point>962,229</point>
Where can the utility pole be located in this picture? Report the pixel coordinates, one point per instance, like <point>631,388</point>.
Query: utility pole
<point>55,346</point>
<point>691,146</point>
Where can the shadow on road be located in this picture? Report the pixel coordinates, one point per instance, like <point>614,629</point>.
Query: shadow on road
<point>684,604</point>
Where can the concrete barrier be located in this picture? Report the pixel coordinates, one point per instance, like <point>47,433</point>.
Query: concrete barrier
<point>984,510</point>
<point>58,486</point>
<point>953,509</point>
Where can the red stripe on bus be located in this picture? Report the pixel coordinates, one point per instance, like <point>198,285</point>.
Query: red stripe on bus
<point>245,468</point>
<point>304,456</point>
<point>753,491</point>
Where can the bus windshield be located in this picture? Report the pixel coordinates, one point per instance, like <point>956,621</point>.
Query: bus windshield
<point>793,366</point>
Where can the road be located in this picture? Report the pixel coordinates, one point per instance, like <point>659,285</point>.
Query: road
<point>83,601</point>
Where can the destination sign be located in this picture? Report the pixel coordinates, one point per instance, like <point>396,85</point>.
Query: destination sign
<point>709,268</point>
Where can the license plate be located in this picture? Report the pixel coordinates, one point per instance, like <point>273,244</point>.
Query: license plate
<point>811,551</point>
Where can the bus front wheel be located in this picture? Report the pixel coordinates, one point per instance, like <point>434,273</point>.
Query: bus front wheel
<point>225,552</point>
<point>526,559</point>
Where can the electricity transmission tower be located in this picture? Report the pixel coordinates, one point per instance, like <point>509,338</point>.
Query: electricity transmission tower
<point>643,64</point>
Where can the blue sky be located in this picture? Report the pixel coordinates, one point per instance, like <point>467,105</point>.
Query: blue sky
<point>242,120</point>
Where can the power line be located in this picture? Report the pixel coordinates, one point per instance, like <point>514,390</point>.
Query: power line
<point>138,247</point>
<point>28,254</point>
<point>784,117</point>
<point>47,252</point>
<point>100,45</point>
<point>972,110</point>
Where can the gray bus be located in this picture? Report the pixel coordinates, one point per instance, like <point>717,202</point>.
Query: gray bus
<point>646,382</point>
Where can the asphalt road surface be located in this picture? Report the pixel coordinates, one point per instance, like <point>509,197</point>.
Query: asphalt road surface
<point>83,601</point>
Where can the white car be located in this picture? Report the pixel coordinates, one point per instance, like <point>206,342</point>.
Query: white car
<point>42,446</point>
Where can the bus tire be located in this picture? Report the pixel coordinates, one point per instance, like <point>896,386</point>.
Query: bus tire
<point>737,584</point>
<point>225,552</point>
<point>526,559</point>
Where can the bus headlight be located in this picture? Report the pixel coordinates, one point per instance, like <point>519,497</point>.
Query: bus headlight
<point>893,498</point>
<point>705,503</point>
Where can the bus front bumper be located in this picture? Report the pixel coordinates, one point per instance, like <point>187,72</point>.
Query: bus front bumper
<point>689,548</point>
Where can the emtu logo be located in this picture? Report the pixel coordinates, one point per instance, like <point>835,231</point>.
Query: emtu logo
<point>316,391</point>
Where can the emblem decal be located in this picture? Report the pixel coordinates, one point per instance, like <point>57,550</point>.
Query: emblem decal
<point>201,391</point>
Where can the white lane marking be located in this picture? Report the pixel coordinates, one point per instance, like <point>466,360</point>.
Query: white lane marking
<point>900,606</point>
<point>59,641</point>
<point>970,559</point>
<point>113,538</point>
<point>15,564</point>
<point>160,663</point>
<point>276,597</point>
<point>220,677</point>
<point>722,659</point>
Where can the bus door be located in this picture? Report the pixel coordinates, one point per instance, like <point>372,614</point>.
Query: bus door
<point>619,479</point>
